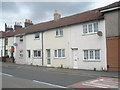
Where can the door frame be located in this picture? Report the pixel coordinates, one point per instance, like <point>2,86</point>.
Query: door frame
<point>48,57</point>
<point>73,61</point>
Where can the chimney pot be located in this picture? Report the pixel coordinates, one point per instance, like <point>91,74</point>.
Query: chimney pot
<point>57,15</point>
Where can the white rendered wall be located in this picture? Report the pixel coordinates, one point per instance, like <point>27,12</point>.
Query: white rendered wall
<point>50,41</point>
<point>92,41</point>
<point>33,44</point>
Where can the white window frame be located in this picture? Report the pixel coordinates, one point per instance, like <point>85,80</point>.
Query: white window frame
<point>35,36</point>
<point>91,59</point>
<point>59,32</point>
<point>37,54</point>
<point>93,28</point>
<point>56,55</point>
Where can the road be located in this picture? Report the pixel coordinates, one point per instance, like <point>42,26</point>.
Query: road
<point>15,76</point>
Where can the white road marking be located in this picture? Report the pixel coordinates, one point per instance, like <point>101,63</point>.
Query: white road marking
<point>7,74</point>
<point>49,84</point>
<point>104,84</point>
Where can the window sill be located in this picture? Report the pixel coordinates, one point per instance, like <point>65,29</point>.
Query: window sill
<point>59,57</point>
<point>37,39</point>
<point>84,34</point>
<point>37,57</point>
<point>91,60</point>
<point>58,36</point>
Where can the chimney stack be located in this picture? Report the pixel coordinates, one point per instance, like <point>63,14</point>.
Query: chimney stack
<point>57,15</point>
<point>17,25</point>
<point>28,22</point>
<point>8,28</point>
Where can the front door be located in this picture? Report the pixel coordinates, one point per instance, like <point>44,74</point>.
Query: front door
<point>75,58</point>
<point>48,57</point>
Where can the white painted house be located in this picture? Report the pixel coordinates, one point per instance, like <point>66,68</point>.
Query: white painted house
<point>77,41</point>
<point>34,49</point>
<point>88,50</point>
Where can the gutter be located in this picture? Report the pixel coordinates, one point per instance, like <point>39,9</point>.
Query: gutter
<point>106,10</point>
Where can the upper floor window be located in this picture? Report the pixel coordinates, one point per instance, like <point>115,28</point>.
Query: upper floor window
<point>21,38</point>
<point>96,27</point>
<point>90,28</point>
<point>37,35</point>
<point>91,54</point>
<point>59,32</point>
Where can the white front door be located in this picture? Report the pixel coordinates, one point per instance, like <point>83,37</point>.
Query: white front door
<point>75,58</point>
<point>48,57</point>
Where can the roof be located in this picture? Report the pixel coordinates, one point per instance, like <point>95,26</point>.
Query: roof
<point>115,4</point>
<point>2,34</point>
<point>65,21</point>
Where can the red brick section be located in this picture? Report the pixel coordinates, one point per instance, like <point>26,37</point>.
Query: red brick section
<point>113,55</point>
<point>97,83</point>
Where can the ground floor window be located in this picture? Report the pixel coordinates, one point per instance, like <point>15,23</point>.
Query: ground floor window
<point>37,53</point>
<point>91,54</point>
<point>60,53</point>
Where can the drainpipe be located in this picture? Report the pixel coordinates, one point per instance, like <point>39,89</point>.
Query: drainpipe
<point>42,51</point>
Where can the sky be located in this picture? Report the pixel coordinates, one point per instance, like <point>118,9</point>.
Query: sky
<point>37,11</point>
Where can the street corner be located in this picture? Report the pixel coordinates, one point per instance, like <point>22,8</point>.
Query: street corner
<point>106,83</point>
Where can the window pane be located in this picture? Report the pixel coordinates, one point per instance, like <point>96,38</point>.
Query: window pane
<point>90,27</point>
<point>48,52</point>
<point>48,61</point>
<point>85,28</point>
<point>35,53</point>
<point>96,27</point>
<point>37,35</point>
<point>97,54</point>
<point>39,53</point>
<point>85,54</point>
<point>56,32</point>
<point>59,52</point>
<point>63,53</point>
<point>91,54</point>
<point>61,32</point>
<point>55,53</point>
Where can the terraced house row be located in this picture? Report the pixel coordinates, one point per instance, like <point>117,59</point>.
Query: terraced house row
<point>88,40</point>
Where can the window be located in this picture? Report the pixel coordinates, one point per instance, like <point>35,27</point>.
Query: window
<point>97,54</point>
<point>96,27</point>
<point>85,54</point>
<point>85,28</point>
<point>21,38</point>
<point>59,53</point>
<point>21,53</point>
<point>91,54</point>
<point>37,53</point>
<point>90,28</point>
<point>37,35</point>
<point>59,32</point>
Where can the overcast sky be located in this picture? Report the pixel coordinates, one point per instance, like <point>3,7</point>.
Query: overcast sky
<point>43,11</point>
